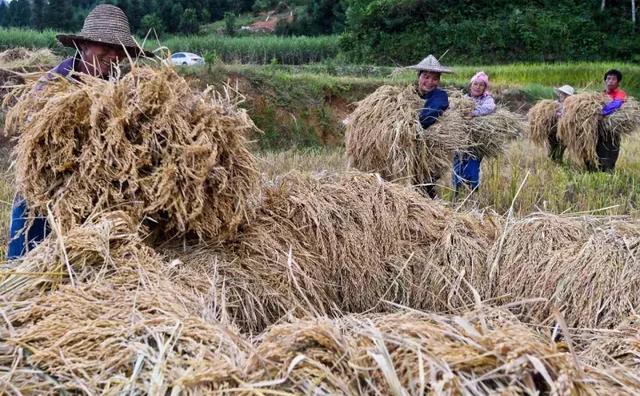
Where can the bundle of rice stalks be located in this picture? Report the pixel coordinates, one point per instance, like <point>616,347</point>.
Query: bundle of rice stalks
<point>578,126</point>
<point>99,339</point>
<point>621,345</point>
<point>145,144</point>
<point>624,121</point>
<point>543,122</point>
<point>384,135</point>
<point>304,357</point>
<point>453,273</point>
<point>323,245</point>
<point>107,248</point>
<point>487,135</point>
<point>481,352</point>
<point>13,54</point>
<point>588,270</point>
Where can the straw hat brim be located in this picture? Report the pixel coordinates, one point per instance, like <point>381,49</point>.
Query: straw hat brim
<point>432,69</point>
<point>558,90</point>
<point>72,40</point>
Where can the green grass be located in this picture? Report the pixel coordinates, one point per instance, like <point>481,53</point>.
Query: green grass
<point>14,37</point>
<point>546,185</point>
<point>257,49</point>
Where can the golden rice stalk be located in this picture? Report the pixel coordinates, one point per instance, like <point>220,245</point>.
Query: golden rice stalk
<point>322,353</point>
<point>384,135</point>
<point>488,135</point>
<point>578,126</point>
<point>624,121</point>
<point>584,268</point>
<point>107,248</point>
<point>99,339</point>
<point>543,122</point>
<point>621,345</point>
<point>146,144</point>
<point>322,245</point>
<point>480,352</point>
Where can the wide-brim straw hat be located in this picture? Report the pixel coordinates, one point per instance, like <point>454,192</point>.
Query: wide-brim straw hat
<point>108,25</point>
<point>565,89</point>
<point>431,64</point>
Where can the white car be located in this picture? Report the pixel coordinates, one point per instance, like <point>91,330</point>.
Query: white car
<point>186,59</point>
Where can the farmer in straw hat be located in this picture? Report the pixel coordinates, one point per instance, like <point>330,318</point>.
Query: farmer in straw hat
<point>104,41</point>
<point>466,167</point>
<point>608,145</point>
<point>556,148</point>
<point>436,101</point>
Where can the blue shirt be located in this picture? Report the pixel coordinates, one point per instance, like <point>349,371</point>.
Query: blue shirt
<point>436,102</point>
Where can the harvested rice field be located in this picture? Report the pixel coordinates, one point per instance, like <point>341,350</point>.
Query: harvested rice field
<point>181,258</point>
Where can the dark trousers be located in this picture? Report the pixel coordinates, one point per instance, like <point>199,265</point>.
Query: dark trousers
<point>556,148</point>
<point>608,150</point>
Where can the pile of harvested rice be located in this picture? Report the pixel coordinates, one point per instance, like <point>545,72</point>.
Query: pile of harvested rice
<point>384,135</point>
<point>97,339</point>
<point>482,352</point>
<point>145,144</point>
<point>621,345</point>
<point>344,243</point>
<point>584,267</point>
<point>22,57</point>
<point>487,135</point>
<point>543,122</point>
<point>107,248</point>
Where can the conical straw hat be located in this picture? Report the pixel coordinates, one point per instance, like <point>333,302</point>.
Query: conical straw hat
<point>430,63</point>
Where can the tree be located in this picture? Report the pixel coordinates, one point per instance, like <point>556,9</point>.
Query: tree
<point>230,23</point>
<point>151,22</point>
<point>4,10</point>
<point>37,14</point>
<point>20,11</point>
<point>189,22</point>
<point>59,15</point>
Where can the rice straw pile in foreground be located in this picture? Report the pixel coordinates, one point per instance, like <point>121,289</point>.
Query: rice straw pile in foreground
<point>146,144</point>
<point>543,122</point>
<point>587,268</point>
<point>111,303</point>
<point>384,135</point>
<point>344,243</point>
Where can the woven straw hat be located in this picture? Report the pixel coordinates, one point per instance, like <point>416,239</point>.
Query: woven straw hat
<point>430,63</point>
<point>565,89</point>
<point>105,24</point>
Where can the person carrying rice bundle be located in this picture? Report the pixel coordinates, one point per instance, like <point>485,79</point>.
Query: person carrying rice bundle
<point>104,41</point>
<point>436,101</point>
<point>608,145</point>
<point>556,148</point>
<point>466,167</point>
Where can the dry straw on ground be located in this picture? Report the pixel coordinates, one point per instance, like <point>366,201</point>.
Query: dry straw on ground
<point>345,243</point>
<point>543,122</point>
<point>481,352</point>
<point>146,144</point>
<point>584,267</point>
<point>22,57</point>
<point>98,339</point>
<point>384,135</point>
